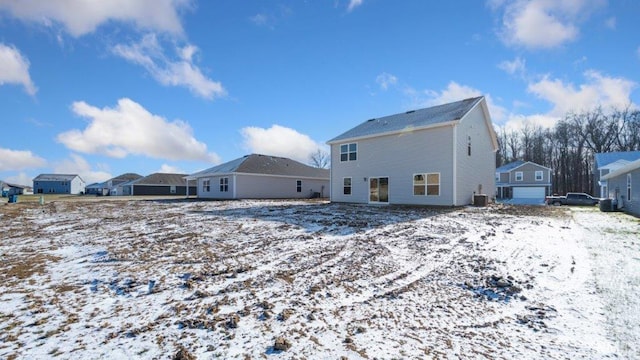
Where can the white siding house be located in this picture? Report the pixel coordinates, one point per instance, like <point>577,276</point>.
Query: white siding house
<point>624,187</point>
<point>441,155</point>
<point>258,176</point>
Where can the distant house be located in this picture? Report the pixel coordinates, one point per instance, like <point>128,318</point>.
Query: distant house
<point>157,184</point>
<point>441,155</point>
<point>58,184</point>
<point>112,185</point>
<point>606,163</point>
<point>95,189</point>
<point>14,189</point>
<point>623,186</point>
<point>523,180</point>
<point>258,176</point>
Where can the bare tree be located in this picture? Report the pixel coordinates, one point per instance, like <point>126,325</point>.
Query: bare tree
<point>320,159</point>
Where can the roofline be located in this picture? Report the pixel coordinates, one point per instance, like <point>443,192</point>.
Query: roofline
<point>524,163</point>
<point>257,174</point>
<point>634,165</point>
<point>418,128</point>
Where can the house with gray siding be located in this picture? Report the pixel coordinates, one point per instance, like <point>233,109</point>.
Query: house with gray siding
<point>523,180</point>
<point>257,176</point>
<point>442,155</point>
<point>624,187</point>
<point>58,184</point>
<point>156,184</point>
<point>605,163</point>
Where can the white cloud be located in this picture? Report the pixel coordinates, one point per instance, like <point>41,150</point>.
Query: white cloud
<point>170,169</point>
<point>13,160</point>
<point>14,69</point>
<point>515,67</point>
<point>260,19</point>
<point>598,90</point>
<point>279,141</point>
<point>385,80</point>
<point>76,164</point>
<point>611,23</point>
<point>543,23</point>
<point>80,17</point>
<point>130,129</point>
<point>170,71</point>
<point>353,4</point>
<point>20,179</point>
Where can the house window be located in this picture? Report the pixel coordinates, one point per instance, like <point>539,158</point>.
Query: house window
<point>628,187</point>
<point>426,184</point>
<point>538,175</point>
<point>346,186</point>
<point>206,185</point>
<point>172,189</point>
<point>298,185</point>
<point>497,177</point>
<point>519,176</point>
<point>349,152</point>
<point>224,184</point>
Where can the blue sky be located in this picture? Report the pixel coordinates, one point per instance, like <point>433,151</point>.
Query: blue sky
<point>101,88</point>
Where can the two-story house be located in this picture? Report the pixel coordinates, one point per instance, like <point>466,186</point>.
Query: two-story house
<point>442,155</point>
<point>58,184</point>
<point>523,180</point>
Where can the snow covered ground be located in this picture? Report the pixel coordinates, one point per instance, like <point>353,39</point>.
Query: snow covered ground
<point>285,279</point>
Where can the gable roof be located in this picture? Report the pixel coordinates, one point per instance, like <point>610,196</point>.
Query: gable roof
<point>634,165</point>
<point>126,177</point>
<point>603,159</point>
<point>264,165</point>
<point>516,164</point>
<point>162,179</point>
<point>411,120</point>
<point>56,177</point>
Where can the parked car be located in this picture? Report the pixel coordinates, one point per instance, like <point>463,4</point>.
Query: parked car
<point>572,199</point>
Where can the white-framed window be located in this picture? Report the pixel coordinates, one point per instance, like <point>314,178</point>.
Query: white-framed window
<point>426,184</point>
<point>349,152</point>
<point>539,175</point>
<point>298,185</point>
<point>628,187</point>
<point>519,176</point>
<point>206,185</point>
<point>346,186</point>
<point>172,189</point>
<point>497,177</point>
<point>224,184</point>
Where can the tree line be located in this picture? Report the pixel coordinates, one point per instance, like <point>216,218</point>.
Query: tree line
<point>569,146</point>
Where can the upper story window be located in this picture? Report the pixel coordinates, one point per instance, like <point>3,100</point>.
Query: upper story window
<point>349,152</point>
<point>298,185</point>
<point>224,184</point>
<point>519,176</point>
<point>206,185</point>
<point>539,175</point>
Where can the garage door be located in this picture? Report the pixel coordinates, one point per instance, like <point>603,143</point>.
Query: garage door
<point>528,193</point>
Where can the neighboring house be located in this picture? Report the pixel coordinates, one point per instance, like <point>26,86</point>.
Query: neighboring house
<point>14,189</point>
<point>95,189</point>
<point>58,184</point>
<point>157,184</point>
<point>523,180</point>
<point>441,155</point>
<point>258,176</point>
<point>606,163</point>
<point>113,185</point>
<point>624,187</point>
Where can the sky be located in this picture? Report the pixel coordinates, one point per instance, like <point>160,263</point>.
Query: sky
<point>102,88</point>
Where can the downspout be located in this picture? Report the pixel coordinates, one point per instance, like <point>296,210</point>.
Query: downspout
<point>455,166</point>
<point>234,186</point>
<point>187,192</point>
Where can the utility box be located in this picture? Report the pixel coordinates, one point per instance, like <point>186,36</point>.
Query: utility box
<point>480,200</point>
<point>606,205</point>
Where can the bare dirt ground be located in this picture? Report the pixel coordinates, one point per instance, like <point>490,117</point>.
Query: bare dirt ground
<point>155,279</point>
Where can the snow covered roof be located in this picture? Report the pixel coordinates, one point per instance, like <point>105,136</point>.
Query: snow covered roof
<point>264,165</point>
<point>413,119</point>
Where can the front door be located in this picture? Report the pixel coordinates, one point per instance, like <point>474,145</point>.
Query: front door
<point>379,189</point>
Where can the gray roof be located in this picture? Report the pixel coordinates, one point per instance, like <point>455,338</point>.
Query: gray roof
<point>411,119</point>
<point>56,177</point>
<point>510,166</point>
<point>264,165</point>
<point>160,179</point>
<point>603,159</point>
<point>127,177</point>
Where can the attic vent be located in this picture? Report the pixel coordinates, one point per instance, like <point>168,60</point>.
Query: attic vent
<point>410,111</point>
<point>370,120</point>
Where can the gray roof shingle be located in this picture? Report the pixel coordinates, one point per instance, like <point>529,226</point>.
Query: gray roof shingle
<point>265,164</point>
<point>55,177</point>
<point>410,120</point>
